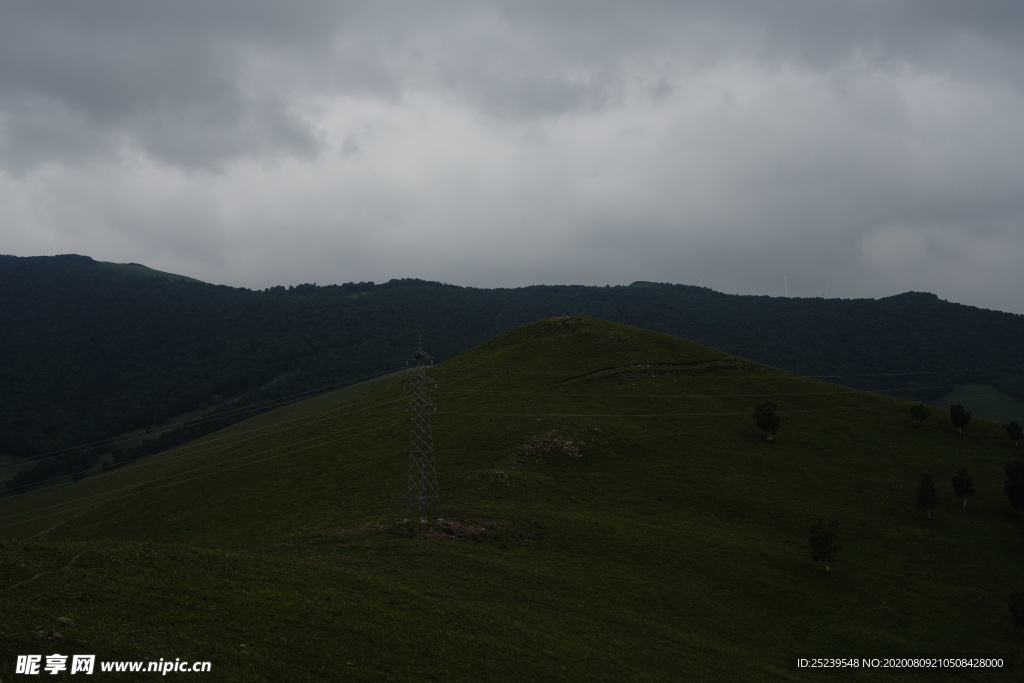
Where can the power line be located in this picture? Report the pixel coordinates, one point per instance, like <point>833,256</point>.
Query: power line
<point>257,407</point>
<point>419,500</point>
<point>258,367</point>
<point>153,460</point>
<point>135,469</point>
<point>168,387</point>
<point>201,476</point>
<point>306,421</point>
<point>312,392</point>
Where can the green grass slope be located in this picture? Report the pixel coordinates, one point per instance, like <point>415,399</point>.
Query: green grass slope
<point>610,513</point>
<point>139,269</point>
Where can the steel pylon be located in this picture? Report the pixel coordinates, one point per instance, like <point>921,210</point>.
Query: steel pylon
<point>422,497</point>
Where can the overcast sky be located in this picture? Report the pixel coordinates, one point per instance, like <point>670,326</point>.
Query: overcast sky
<point>865,147</point>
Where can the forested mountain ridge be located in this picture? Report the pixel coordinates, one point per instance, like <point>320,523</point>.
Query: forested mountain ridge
<point>93,350</point>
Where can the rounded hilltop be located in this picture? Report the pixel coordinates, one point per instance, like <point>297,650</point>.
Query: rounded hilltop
<point>583,343</point>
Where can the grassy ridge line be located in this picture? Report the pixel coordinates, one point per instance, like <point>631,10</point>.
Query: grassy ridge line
<point>671,547</point>
<point>139,269</point>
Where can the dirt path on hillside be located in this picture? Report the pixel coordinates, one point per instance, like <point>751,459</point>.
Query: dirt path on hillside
<point>33,578</point>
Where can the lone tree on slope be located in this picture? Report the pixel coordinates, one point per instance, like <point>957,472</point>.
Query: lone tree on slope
<point>824,542</point>
<point>767,420</point>
<point>1014,485</point>
<point>1015,432</point>
<point>920,413</point>
<point>927,494</point>
<point>963,485</point>
<point>960,417</point>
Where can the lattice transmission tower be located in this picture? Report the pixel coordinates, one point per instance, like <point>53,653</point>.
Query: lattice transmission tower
<point>422,498</point>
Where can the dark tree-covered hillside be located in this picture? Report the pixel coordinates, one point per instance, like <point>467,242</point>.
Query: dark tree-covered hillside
<point>91,350</point>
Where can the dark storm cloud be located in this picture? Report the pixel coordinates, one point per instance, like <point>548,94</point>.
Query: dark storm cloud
<point>174,79</point>
<point>198,83</point>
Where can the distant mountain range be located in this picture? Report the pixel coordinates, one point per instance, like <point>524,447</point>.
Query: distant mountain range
<point>92,350</point>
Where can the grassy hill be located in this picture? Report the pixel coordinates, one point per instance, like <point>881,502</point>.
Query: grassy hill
<point>610,512</point>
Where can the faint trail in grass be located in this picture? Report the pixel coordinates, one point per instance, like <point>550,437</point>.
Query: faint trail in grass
<point>36,576</point>
<point>63,522</point>
<point>657,366</point>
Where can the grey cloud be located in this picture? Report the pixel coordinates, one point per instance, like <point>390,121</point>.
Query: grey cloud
<point>197,83</point>
<point>864,147</point>
<point>169,78</point>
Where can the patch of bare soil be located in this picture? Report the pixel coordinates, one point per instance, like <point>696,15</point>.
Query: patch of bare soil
<point>431,529</point>
<point>362,529</point>
<point>547,445</point>
<point>563,320</point>
<point>444,529</point>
